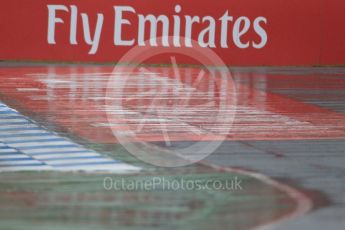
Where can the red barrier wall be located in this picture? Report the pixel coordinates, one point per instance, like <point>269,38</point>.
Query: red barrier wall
<point>308,32</point>
<point>332,48</point>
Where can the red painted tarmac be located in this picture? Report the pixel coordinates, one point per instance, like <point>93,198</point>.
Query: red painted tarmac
<point>75,99</point>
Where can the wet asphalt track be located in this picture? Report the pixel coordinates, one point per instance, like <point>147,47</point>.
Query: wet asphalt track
<point>290,126</point>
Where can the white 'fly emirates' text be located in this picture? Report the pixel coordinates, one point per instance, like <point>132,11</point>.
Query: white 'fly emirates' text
<point>177,26</point>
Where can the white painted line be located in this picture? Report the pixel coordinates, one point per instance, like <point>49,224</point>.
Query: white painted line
<point>28,147</point>
<point>18,162</point>
<point>8,150</point>
<point>304,203</point>
<point>47,150</point>
<point>21,132</point>
<point>40,144</point>
<point>28,125</point>
<point>79,161</point>
<point>12,120</point>
<point>69,155</point>
<point>10,116</point>
<point>29,138</point>
<point>13,156</point>
<point>27,89</point>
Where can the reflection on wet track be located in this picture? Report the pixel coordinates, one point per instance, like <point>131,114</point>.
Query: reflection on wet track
<point>287,123</point>
<point>75,98</point>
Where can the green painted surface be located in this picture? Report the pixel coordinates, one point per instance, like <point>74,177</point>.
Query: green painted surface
<point>80,201</point>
